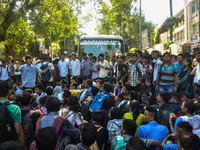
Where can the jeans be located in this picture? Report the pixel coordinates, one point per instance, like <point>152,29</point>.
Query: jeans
<point>169,88</point>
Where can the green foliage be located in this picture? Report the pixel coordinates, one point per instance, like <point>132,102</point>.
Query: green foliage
<point>55,48</point>
<point>167,44</point>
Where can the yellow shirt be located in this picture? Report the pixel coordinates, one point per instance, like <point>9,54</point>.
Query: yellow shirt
<point>74,91</point>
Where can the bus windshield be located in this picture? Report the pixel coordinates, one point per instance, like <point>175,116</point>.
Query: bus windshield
<point>97,46</point>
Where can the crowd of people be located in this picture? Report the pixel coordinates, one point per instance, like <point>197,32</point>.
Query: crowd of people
<point>136,101</point>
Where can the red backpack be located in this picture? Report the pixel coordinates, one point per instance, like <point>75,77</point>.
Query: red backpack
<point>41,112</point>
<point>57,125</point>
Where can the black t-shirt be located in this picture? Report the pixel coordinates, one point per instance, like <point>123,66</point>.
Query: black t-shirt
<point>108,103</point>
<point>34,117</point>
<point>123,71</point>
<point>102,137</point>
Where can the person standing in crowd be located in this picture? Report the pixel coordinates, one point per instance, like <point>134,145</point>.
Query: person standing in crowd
<point>75,66</point>
<point>136,73</point>
<point>12,70</point>
<point>85,66</point>
<point>122,70</point>
<point>17,74</point>
<point>167,78</point>
<point>104,67</point>
<point>64,68</point>
<point>5,72</point>
<point>139,55</point>
<point>180,64</point>
<point>29,73</point>
<point>197,74</point>
<point>111,66</point>
<point>94,68</point>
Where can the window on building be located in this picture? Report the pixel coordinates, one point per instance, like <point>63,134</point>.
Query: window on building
<point>194,29</point>
<point>193,7</point>
<point>197,4</point>
<point>174,37</point>
<point>181,36</point>
<point>178,36</point>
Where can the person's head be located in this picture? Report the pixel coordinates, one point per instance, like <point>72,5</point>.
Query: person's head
<point>94,91</point>
<point>115,113</point>
<point>188,107</point>
<point>107,87</point>
<point>175,97</point>
<point>24,99</point>
<point>97,116</point>
<point>198,56</point>
<point>150,114</point>
<point>38,89</point>
<point>94,59</point>
<point>66,94</point>
<point>173,58</point>
<point>90,55</point>
<point>11,145</point>
<point>143,87</point>
<point>187,96</point>
<point>139,53</point>
<point>65,87</point>
<point>88,83</point>
<point>180,58</point>
<point>197,93</point>
<point>46,138</point>
<point>52,104</point>
<point>136,143</point>
<point>133,57</point>
<point>187,62</point>
<point>14,85</point>
<point>146,58</point>
<point>20,85</point>
<point>84,56</point>
<point>164,96</point>
<point>155,54</point>
<point>29,90</point>
<point>4,88</point>
<point>189,141</point>
<point>121,58</point>
<point>73,103</point>
<point>101,57</point>
<point>73,85</point>
<point>49,90</point>
<point>126,89</point>
<point>29,59</point>
<point>98,83</point>
<point>194,62</point>
<point>73,56</point>
<point>42,100</point>
<point>151,100</point>
<point>134,108</point>
<point>12,95</point>
<point>118,84</point>
<point>88,134</point>
<point>166,57</point>
<point>133,95</point>
<point>62,56</point>
<point>183,126</point>
<point>129,127</point>
<point>108,58</point>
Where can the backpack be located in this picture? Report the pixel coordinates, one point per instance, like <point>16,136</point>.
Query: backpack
<point>163,115</point>
<point>41,112</point>
<point>47,75</point>
<point>139,73</point>
<point>85,109</point>
<point>57,125</point>
<point>120,143</point>
<point>27,126</point>
<point>94,146</point>
<point>125,107</point>
<point>7,130</point>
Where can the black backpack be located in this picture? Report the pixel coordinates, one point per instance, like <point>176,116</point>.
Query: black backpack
<point>125,107</point>
<point>164,112</point>
<point>47,75</point>
<point>85,110</point>
<point>7,130</point>
<point>27,126</point>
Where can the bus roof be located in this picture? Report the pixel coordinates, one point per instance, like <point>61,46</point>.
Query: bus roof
<point>101,36</point>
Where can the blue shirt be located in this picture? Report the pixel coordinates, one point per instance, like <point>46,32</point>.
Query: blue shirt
<point>197,75</point>
<point>38,97</point>
<point>170,147</point>
<point>29,75</point>
<point>179,67</point>
<point>57,90</point>
<point>18,91</point>
<point>85,94</point>
<point>153,130</point>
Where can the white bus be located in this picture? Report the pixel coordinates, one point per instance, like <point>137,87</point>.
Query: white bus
<point>96,44</point>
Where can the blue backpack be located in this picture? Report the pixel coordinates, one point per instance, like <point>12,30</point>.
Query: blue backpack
<point>98,101</point>
<point>120,143</point>
<point>47,75</point>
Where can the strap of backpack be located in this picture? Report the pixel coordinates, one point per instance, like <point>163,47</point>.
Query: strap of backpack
<point>29,114</point>
<point>99,129</point>
<point>38,124</point>
<point>58,123</point>
<point>116,124</point>
<point>70,115</point>
<point>41,111</point>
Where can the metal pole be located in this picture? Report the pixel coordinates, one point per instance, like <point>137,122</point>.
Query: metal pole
<point>140,26</point>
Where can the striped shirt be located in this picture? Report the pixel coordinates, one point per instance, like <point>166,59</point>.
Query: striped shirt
<point>167,75</point>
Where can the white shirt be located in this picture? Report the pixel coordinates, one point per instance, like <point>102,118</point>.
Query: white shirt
<point>17,73</point>
<point>4,73</point>
<point>103,72</point>
<point>75,67</point>
<point>63,67</point>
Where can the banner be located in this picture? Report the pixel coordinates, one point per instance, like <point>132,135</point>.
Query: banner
<point>194,41</point>
<point>145,39</point>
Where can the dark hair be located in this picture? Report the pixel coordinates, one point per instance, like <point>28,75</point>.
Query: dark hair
<point>94,57</point>
<point>174,56</point>
<point>46,138</point>
<point>135,143</point>
<point>183,56</point>
<point>97,115</point>
<point>147,57</point>
<point>166,53</point>
<point>74,84</point>
<point>107,87</point>
<point>13,83</point>
<point>155,52</point>
<point>73,54</point>
<point>29,90</point>
<point>189,141</point>
<point>133,55</point>
<point>28,57</point>
<point>94,90</point>
<point>197,91</point>
<point>84,54</point>
<point>49,90</point>
<point>43,99</point>
<point>64,81</point>
<point>143,86</point>
<point>33,98</point>
<point>102,55</point>
<point>89,134</point>
<point>73,103</point>
<point>139,52</point>
<point>116,113</point>
<point>120,83</point>
<point>65,102</point>
<point>129,126</point>
<point>152,100</point>
<point>135,106</point>
<point>99,81</point>
<point>20,83</point>
<point>12,92</point>
<point>128,87</point>
<point>176,95</point>
<point>90,54</point>
<point>189,104</point>
<point>165,96</point>
<point>65,85</point>
<point>89,82</point>
<point>24,98</point>
<point>66,93</point>
<point>152,112</point>
<point>39,86</point>
<point>189,61</point>
<point>4,88</point>
<point>11,145</point>
<point>189,95</point>
<point>186,126</point>
<point>52,104</point>
<point>122,57</point>
<point>107,56</point>
<point>133,95</point>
